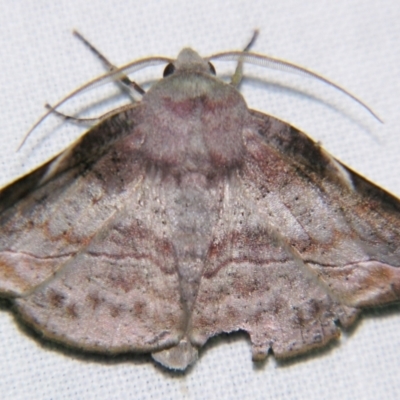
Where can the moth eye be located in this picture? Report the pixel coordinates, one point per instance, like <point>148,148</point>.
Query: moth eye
<point>212,69</point>
<point>169,70</point>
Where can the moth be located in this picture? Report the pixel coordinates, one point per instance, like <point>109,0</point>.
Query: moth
<point>186,215</point>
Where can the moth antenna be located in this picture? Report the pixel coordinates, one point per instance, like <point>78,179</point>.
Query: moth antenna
<point>125,83</point>
<point>276,63</point>
<point>110,76</point>
<point>238,75</point>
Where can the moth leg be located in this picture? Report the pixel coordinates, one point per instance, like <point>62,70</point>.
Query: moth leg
<point>92,120</point>
<point>238,75</point>
<point>125,83</point>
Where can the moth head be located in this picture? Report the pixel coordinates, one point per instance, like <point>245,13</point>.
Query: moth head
<point>189,61</point>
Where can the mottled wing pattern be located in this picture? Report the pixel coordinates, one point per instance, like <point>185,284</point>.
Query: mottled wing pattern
<point>80,255</point>
<point>303,242</point>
